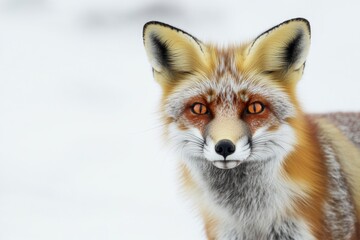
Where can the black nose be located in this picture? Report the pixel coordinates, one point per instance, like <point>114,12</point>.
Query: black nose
<point>225,148</point>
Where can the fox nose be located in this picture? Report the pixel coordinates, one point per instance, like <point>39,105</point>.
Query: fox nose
<point>225,148</point>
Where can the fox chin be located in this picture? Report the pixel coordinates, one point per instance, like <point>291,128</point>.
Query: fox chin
<point>255,165</point>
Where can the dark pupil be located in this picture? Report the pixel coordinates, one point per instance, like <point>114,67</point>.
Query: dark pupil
<point>200,108</point>
<point>254,107</point>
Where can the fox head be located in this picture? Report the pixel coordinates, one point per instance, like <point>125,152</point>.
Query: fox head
<point>228,105</point>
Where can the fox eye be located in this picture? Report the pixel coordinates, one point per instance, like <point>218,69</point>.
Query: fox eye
<point>199,109</point>
<point>255,108</point>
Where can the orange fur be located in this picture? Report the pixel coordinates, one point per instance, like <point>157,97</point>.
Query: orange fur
<point>306,168</point>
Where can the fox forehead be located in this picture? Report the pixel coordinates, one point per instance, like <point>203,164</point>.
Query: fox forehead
<point>227,89</point>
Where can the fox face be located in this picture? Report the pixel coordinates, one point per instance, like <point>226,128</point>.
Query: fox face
<point>230,120</point>
<point>229,105</point>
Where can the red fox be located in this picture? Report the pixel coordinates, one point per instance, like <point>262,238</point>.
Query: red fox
<point>255,164</point>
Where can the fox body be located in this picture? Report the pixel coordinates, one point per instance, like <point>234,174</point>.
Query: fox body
<point>256,166</point>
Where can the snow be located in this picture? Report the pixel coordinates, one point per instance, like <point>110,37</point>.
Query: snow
<point>81,155</point>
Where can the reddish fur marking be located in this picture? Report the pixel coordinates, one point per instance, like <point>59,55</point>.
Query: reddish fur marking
<point>198,120</point>
<point>255,121</point>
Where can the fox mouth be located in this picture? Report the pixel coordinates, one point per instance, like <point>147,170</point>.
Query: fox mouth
<point>226,164</point>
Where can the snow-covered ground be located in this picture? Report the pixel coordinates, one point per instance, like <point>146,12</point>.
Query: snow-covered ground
<point>81,155</point>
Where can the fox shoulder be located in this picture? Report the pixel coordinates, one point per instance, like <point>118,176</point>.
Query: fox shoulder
<point>344,146</point>
<point>347,122</point>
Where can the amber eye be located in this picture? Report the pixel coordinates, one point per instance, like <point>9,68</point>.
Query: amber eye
<point>199,109</point>
<point>255,108</point>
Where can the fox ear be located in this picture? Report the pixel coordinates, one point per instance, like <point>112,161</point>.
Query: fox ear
<point>282,49</point>
<point>171,50</point>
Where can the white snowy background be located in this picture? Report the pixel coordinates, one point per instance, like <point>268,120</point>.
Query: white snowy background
<point>81,156</point>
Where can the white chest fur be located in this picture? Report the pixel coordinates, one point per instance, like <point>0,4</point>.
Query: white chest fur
<point>249,202</point>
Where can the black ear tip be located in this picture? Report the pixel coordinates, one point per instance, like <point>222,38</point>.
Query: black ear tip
<point>300,19</point>
<point>150,23</point>
<point>146,25</point>
<point>159,24</point>
<point>169,27</point>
